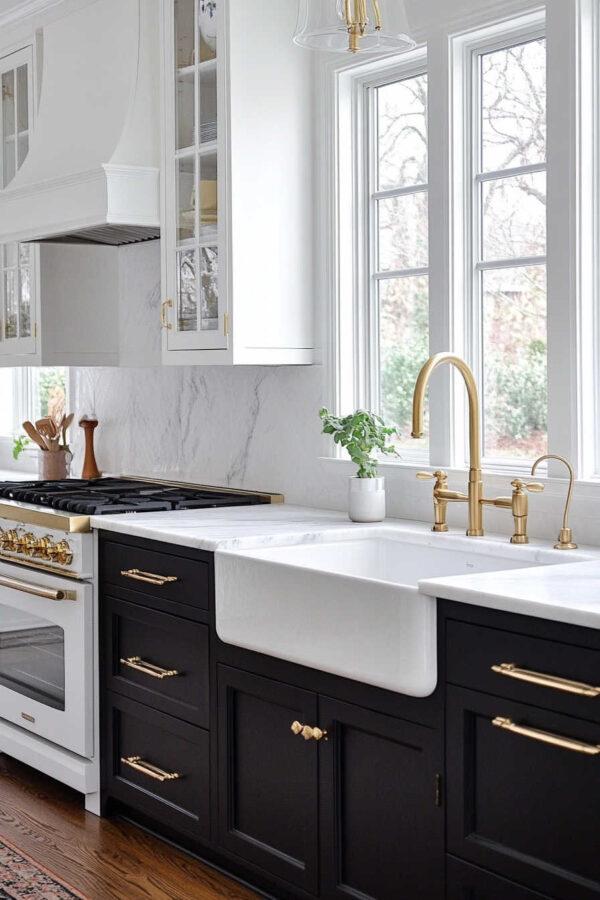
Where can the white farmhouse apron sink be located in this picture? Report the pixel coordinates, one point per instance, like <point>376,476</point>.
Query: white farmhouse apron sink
<point>352,607</point>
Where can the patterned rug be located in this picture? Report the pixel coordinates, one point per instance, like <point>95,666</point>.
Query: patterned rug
<point>23,879</point>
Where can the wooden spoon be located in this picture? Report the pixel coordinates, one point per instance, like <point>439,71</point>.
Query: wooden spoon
<point>47,429</point>
<point>35,436</point>
<point>66,423</point>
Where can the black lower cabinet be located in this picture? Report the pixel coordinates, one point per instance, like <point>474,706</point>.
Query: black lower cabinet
<point>158,765</point>
<point>268,809</point>
<point>519,805</point>
<point>382,822</point>
<point>466,882</point>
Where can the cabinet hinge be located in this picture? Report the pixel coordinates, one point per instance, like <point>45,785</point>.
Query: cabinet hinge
<point>438,789</point>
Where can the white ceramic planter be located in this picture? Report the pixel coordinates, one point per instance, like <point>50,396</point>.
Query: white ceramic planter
<point>366,499</point>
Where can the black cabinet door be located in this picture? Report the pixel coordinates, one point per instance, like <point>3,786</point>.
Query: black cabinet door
<point>268,811</point>
<point>467,882</point>
<point>382,823</point>
<point>518,805</point>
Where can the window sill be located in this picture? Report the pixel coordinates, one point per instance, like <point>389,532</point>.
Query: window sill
<point>497,481</point>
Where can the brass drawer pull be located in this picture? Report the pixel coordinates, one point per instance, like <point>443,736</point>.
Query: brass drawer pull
<point>510,670</point>
<point>148,577</point>
<point>546,737</point>
<point>308,733</point>
<point>47,593</point>
<point>140,665</point>
<point>146,768</point>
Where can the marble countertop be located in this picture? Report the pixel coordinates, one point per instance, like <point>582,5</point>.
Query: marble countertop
<point>566,592</point>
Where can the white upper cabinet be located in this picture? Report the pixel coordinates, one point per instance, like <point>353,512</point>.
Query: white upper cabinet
<point>237,185</point>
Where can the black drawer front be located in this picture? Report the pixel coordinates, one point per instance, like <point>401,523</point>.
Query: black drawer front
<point>520,806</point>
<point>465,882</point>
<point>472,651</point>
<point>153,741</point>
<point>166,576</point>
<point>157,659</point>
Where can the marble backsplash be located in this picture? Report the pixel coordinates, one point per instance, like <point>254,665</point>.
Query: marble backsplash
<point>258,428</point>
<point>249,427</point>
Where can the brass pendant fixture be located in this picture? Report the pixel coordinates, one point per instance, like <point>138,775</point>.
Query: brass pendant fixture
<point>354,26</point>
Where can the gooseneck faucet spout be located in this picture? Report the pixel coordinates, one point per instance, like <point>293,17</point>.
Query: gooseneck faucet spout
<point>475,490</point>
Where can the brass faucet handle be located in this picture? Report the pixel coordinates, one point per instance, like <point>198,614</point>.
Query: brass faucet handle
<point>534,487</point>
<point>440,478</point>
<point>440,503</point>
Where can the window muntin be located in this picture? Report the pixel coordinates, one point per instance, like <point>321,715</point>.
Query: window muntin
<point>399,254</point>
<point>508,315</point>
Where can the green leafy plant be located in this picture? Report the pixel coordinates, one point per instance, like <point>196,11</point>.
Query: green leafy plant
<point>362,434</point>
<point>19,444</point>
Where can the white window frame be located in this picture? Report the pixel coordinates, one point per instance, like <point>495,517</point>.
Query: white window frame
<point>354,322</point>
<point>466,51</point>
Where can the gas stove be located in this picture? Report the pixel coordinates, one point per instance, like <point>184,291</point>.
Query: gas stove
<point>43,523</point>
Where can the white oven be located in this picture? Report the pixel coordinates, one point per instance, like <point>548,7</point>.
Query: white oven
<point>47,656</point>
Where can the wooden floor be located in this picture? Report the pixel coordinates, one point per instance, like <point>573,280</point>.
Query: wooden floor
<point>104,859</point>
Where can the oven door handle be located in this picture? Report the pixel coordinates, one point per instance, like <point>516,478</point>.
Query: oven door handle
<point>37,590</point>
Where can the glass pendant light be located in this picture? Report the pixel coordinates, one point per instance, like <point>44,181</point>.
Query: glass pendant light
<point>353,25</point>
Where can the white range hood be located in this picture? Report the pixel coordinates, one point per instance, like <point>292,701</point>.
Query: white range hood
<point>92,173</point>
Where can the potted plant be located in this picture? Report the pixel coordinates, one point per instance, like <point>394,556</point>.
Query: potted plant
<point>362,434</point>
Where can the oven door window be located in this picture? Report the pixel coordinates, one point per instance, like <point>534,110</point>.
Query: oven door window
<point>32,657</point>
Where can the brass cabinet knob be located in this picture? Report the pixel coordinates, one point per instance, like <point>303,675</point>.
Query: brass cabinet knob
<point>309,733</point>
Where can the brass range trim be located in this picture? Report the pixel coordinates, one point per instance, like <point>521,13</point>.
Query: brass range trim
<point>15,511</point>
<point>238,492</point>
<point>42,567</point>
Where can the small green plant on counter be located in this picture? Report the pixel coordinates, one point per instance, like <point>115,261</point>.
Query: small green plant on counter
<point>19,444</point>
<point>361,434</point>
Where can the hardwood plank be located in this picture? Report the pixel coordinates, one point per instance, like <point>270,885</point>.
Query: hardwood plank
<point>106,859</point>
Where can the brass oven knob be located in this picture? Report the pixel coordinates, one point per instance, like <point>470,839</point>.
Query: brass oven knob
<point>42,547</point>
<point>28,544</point>
<point>61,553</point>
<point>9,540</point>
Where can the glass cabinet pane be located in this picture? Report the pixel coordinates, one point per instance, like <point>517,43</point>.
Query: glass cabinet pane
<point>185,111</point>
<point>186,200</point>
<point>195,161</point>
<point>9,162</point>
<point>22,99</point>
<point>209,289</point>
<point>207,30</point>
<point>24,290</point>
<point>187,304</point>
<point>184,33</point>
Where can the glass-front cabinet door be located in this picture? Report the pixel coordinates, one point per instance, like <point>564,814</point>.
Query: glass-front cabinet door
<point>17,261</point>
<point>194,313</point>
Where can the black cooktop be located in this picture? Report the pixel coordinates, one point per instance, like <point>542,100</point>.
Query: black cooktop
<point>105,496</point>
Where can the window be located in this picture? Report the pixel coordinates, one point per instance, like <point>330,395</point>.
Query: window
<point>399,256</point>
<point>507,318</point>
<point>472,278</point>
<point>31,393</point>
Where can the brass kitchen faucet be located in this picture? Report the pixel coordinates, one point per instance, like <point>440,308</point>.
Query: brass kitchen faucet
<point>518,504</point>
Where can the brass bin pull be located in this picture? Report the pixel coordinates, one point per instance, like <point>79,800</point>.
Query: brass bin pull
<point>308,733</point>
<point>140,665</point>
<point>146,768</point>
<point>546,737</point>
<point>47,593</point>
<point>148,577</point>
<point>510,670</point>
